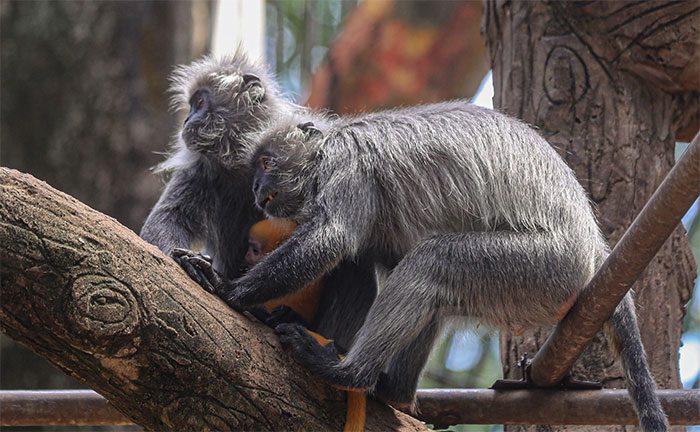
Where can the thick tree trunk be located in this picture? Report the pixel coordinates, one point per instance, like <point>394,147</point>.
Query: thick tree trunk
<point>113,311</point>
<point>574,71</point>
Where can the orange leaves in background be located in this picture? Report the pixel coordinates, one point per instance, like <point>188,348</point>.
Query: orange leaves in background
<point>394,53</point>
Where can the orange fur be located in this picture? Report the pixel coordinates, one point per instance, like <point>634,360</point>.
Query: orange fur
<point>269,234</point>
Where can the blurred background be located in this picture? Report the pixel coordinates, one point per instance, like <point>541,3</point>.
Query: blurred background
<point>84,106</point>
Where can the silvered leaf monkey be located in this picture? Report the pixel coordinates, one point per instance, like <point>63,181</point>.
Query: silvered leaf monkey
<point>208,198</point>
<point>473,213</point>
<point>300,306</point>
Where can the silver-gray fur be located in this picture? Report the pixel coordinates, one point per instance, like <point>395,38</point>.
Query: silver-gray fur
<point>471,210</point>
<point>208,198</point>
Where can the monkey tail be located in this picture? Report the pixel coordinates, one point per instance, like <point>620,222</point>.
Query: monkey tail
<point>623,332</point>
<point>355,417</point>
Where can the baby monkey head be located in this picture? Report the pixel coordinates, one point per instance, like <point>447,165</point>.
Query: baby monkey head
<point>225,98</point>
<point>282,163</point>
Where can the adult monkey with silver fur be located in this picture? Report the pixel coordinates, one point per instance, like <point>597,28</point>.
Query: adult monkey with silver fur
<point>472,211</point>
<point>208,198</point>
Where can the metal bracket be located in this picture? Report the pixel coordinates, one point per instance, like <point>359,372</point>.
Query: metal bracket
<point>568,383</point>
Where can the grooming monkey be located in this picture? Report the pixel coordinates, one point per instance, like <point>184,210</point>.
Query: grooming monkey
<point>300,306</point>
<point>472,212</point>
<point>209,199</point>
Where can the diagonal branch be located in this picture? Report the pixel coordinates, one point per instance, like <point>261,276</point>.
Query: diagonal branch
<point>88,294</point>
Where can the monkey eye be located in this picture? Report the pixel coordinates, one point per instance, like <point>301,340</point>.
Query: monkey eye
<point>200,103</point>
<point>266,162</point>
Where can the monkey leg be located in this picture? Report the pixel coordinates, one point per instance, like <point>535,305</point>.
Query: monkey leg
<point>348,293</point>
<point>402,310</point>
<point>502,278</point>
<point>397,386</point>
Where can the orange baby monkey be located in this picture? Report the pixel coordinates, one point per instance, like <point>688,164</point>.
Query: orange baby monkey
<point>264,237</point>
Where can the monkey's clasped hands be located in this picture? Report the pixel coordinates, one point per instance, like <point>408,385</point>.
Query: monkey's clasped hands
<point>199,268</point>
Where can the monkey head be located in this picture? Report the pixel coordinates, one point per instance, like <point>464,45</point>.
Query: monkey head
<point>281,160</point>
<point>226,98</point>
<point>266,236</point>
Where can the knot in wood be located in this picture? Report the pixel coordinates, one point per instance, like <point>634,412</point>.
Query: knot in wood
<point>565,76</point>
<point>104,314</point>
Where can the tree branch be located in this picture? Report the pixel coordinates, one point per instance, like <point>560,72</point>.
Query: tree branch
<point>88,294</point>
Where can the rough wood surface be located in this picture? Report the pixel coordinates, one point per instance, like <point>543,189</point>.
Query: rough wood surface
<point>113,311</point>
<point>574,70</point>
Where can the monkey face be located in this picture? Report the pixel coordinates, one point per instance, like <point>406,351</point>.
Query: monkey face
<point>218,117</point>
<point>282,160</point>
<point>226,98</point>
<point>276,193</point>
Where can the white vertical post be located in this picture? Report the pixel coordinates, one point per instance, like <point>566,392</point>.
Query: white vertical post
<point>240,22</point>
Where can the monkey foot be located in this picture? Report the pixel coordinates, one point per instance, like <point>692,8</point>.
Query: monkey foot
<point>323,361</point>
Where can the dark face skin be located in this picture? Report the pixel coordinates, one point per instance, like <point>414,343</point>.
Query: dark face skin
<point>209,113</point>
<point>255,253</point>
<point>268,188</point>
<point>201,104</point>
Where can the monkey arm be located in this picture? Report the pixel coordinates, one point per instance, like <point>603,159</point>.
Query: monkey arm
<point>314,249</point>
<point>177,218</point>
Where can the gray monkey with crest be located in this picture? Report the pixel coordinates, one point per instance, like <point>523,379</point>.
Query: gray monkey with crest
<point>209,199</point>
<point>466,211</point>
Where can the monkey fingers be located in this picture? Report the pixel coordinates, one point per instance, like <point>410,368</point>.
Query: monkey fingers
<point>181,252</point>
<point>211,280</point>
<point>194,273</point>
<point>285,315</point>
<point>323,361</point>
<point>260,313</point>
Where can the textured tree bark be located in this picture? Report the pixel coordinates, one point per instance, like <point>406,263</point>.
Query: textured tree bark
<point>85,292</point>
<point>84,106</point>
<point>393,53</point>
<point>601,80</point>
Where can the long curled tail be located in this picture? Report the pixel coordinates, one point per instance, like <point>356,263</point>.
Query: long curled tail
<point>623,331</point>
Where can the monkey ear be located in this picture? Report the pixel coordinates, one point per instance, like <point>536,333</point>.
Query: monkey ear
<point>253,85</point>
<point>310,129</point>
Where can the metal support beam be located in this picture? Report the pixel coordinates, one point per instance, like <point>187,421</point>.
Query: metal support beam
<point>551,407</point>
<point>57,408</point>
<point>438,406</point>
<point>631,255</point>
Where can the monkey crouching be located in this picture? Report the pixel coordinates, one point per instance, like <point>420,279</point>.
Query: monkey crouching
<point>466,211</point>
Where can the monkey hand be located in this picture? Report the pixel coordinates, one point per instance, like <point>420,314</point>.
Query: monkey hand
<point>181,257</point>
<point>284,315</point>
<point>199,268</point>
<point>305,349</point>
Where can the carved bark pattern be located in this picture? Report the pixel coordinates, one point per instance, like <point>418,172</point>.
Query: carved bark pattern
<point>89,295</point>
<point>555,67</point>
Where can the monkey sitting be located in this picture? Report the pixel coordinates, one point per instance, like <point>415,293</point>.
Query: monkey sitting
<point>472,211</point>
<point>208,198</point>
<point>300,306</point>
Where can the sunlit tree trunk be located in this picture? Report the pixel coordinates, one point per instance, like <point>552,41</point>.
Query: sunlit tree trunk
<point>601,81</point>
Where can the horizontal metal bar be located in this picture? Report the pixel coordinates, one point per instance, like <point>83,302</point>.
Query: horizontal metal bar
<point>552,407</point>
<point>57,408</point>
<point>438,406</point>
<point>637,247</point>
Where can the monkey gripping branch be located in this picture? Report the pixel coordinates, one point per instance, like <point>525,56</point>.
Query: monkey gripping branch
<point>97,301</point>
